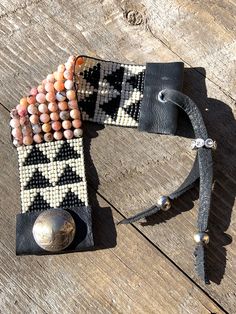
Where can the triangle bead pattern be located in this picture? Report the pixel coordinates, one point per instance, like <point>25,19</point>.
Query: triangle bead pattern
<point>52,175</point>
<point>110,92</point>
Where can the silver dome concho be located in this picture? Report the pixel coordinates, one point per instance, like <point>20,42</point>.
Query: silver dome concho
<point>54,230</point>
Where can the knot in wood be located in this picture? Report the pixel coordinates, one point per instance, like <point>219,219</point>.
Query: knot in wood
<point>134,18</point>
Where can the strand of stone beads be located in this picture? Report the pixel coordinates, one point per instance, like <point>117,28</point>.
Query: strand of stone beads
<point>20,123</point>
<point>50,111</point>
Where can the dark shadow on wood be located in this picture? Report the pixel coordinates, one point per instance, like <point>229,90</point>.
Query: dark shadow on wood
<point>104,230</point>
<point>221,127</point>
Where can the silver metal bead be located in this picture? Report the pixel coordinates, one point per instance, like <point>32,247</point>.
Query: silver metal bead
<point>54,230</point>
<point>209,143</point>
<point>193,144</point>
<point>199,142</point>
<point>164,203</point>
<point>201,237</point>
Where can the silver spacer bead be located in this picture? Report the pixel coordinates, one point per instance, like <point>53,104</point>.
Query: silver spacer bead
<point>197,143</point>
<point>164,203</point>
<point>201,237</point>
<point>209,143</point>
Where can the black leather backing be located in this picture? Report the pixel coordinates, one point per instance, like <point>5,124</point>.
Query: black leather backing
<point>156,117</point>
<point>25,243</point>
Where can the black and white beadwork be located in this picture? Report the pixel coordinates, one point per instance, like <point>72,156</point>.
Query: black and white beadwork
<point>110,92</point>
<point>52,175</point>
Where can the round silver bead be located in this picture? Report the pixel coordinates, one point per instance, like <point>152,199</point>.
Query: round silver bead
<point>54,230</point>
<point>201,237</point>
<point>193,144</point>
<point>209,143</point>
<point>164,203</point>
<point>199,142</point>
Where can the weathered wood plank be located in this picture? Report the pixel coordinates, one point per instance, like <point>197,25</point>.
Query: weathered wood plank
<point>132,277</point>
<point>36,36</point>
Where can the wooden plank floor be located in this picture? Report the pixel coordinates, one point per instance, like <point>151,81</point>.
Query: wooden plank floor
<point>146,267</point>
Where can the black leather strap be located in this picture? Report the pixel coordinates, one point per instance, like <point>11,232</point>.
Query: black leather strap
<point>202,167</point>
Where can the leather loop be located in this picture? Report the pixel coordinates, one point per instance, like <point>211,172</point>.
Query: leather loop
<point>154,116</point>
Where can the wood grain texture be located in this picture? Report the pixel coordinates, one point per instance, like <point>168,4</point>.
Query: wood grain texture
<point>36,36</point>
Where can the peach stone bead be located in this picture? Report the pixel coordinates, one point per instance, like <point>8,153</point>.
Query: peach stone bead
<point>38,138</point>
<point>43,108</point>
<point>70,94</point>
<point>50,78</point>
<point>24,101</point>
<point>58,135</point>
<point>52,106</point>
<point>66,124</point>
<point>49,87</point>
<point>76,123</point>
<point>68,75</point>
<point>75,114</point>
<point>24,120</point>
<point>34,91</point>
<point>41,89</point>
<point>34,118</point>
<point>68,134</point>
<point>31,99</point>
<point>73,104</point>
<point>62,105</point>
<point>22,111</point>
<point>48,137</point>
<point>40,98</point>
<point>44,118</point>
<point>69,65</point>
<point>46,127</point>
<point>16,133</point>
<point>56,125</point>
<point>69,84</point>
<point>50,97</point>
<point>59,86</point>
<point>54,116</point>
<point>80,61</point>
<point>14,123</point>
<point>32,109</point>
<point>26,130</point>
<point>27,140</point>
<point>61,68</point>
<point>59,76</point>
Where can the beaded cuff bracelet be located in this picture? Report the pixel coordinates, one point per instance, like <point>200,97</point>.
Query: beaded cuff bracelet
<point>47,131</point>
